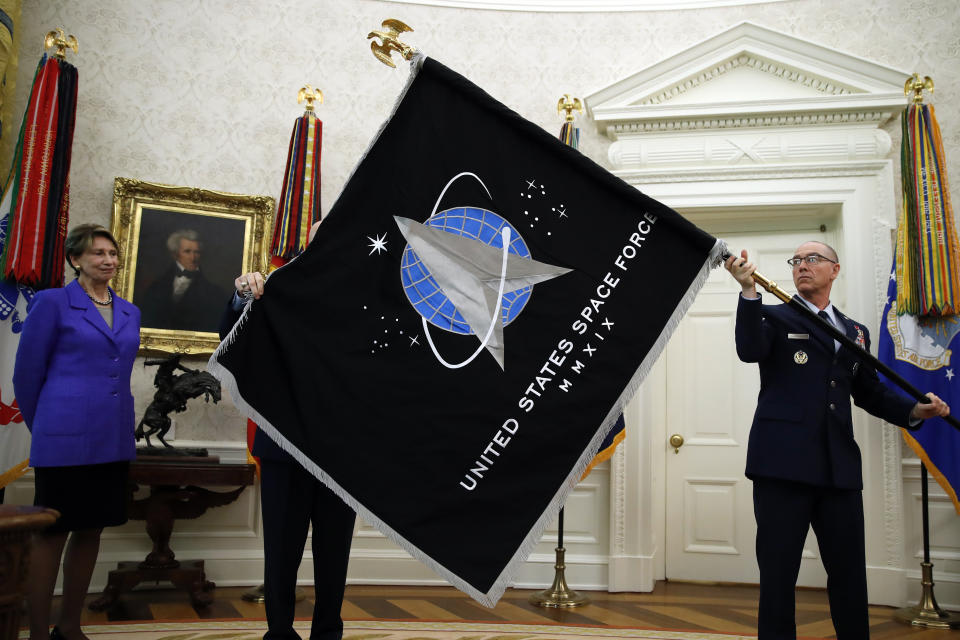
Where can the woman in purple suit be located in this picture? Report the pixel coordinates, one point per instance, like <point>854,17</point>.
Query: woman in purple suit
<point>72,383</point>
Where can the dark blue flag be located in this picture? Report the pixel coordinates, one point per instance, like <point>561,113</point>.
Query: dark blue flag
<point>921,350</point>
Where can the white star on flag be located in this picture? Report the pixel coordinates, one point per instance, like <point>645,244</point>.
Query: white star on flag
<point>377,244</point>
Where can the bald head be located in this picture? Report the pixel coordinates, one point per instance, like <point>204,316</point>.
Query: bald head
<point>824,249</point>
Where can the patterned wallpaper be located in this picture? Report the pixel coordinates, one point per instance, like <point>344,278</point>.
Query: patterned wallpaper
<point>204,93</point>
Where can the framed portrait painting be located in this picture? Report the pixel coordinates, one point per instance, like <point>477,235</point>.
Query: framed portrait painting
<point>181,249</point>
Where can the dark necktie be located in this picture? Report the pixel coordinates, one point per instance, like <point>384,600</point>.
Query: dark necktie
<point>183,273</point>
<point>826,316</point>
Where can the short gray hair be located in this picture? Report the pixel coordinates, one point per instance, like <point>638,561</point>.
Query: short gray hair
<point>81,238</point>
<point>173,242</point>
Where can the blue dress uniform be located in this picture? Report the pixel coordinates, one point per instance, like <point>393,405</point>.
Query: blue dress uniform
<point>291,500</point>
<point>804,462</point>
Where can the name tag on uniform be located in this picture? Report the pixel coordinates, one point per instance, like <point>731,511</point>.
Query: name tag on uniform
<point>798,336</point>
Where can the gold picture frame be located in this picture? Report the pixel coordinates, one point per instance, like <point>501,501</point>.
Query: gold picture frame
<point>228,233</point>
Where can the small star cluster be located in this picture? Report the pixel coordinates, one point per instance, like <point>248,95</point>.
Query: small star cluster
<point>387,332</point>
<point>536,194</point>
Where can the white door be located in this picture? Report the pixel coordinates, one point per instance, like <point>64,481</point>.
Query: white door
<point>710,400</point>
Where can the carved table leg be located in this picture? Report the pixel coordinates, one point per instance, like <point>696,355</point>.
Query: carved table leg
<point>193,579</point>
<point>124,578</point>
<point>160,517</point>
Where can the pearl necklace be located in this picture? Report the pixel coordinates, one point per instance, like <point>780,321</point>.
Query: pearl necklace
<point>102,303</point>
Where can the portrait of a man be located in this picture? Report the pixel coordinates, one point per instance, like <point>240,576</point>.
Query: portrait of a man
<point>185,265</point>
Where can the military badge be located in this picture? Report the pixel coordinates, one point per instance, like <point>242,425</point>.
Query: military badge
<point>861,340</point>
<point>800,357</point>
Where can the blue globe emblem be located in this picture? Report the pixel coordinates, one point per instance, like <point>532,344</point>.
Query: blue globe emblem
<point>422,289</point>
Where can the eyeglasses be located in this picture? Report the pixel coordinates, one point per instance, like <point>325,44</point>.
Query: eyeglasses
<point>813,259</point>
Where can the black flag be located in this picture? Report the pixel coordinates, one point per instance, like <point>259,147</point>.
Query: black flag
<point>450,390</point>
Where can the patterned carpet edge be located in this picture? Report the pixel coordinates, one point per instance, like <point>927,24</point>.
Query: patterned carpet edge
<point>391,630</point>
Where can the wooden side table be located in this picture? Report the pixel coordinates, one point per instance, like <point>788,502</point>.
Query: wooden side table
<point>17,525</point>
<point>174,494</point>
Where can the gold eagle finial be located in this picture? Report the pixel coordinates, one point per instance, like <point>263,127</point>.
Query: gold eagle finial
<point>62,42</point>
<point>569,105</point>
<point>389,42</point>
<point>311,95</point>
<point>916,86</point>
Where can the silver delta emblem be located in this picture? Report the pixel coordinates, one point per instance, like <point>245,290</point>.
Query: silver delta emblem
<point>800,357</point>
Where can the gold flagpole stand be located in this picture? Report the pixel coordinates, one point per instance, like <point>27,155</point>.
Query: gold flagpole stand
<point>559,595</point>
<point>256,595</point>
<point>927,613</point>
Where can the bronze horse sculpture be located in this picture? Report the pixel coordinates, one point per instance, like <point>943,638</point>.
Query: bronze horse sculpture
<point>172,394</point>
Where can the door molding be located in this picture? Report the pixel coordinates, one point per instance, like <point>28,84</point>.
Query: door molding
<point>756,127</point>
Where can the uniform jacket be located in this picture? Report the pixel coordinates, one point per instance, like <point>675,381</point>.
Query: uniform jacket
<point>802,429</point>
<point>72,378</point>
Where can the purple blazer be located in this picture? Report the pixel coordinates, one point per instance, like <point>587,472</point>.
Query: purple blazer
<point>72,379</point>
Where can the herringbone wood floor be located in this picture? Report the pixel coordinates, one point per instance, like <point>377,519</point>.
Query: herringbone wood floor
<point>719,608</point>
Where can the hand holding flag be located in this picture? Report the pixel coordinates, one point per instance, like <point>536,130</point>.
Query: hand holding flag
<point>933,408</point>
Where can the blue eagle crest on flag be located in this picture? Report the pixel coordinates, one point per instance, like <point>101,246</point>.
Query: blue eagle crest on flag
<point>10,292</point>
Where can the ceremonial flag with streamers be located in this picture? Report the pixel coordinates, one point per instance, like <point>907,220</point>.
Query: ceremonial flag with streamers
<point>919,328</point>
<point>299,204</point>
<point>33,224</point>
<point>928,271</point>
<point>459,338</point>
<point>921,350</point>
<point>299,208</point>
<point>41,198</point>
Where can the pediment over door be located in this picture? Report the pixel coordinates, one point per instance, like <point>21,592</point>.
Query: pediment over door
<point>749,95</point>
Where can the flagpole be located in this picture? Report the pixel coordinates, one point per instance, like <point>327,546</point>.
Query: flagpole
<point>299,203</point>
<point>926,613</point>
<point>48,149</point>
<point>559,595</point>
<point>861,354</point>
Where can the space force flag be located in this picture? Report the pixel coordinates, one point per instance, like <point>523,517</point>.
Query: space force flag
<point>468,323</point>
